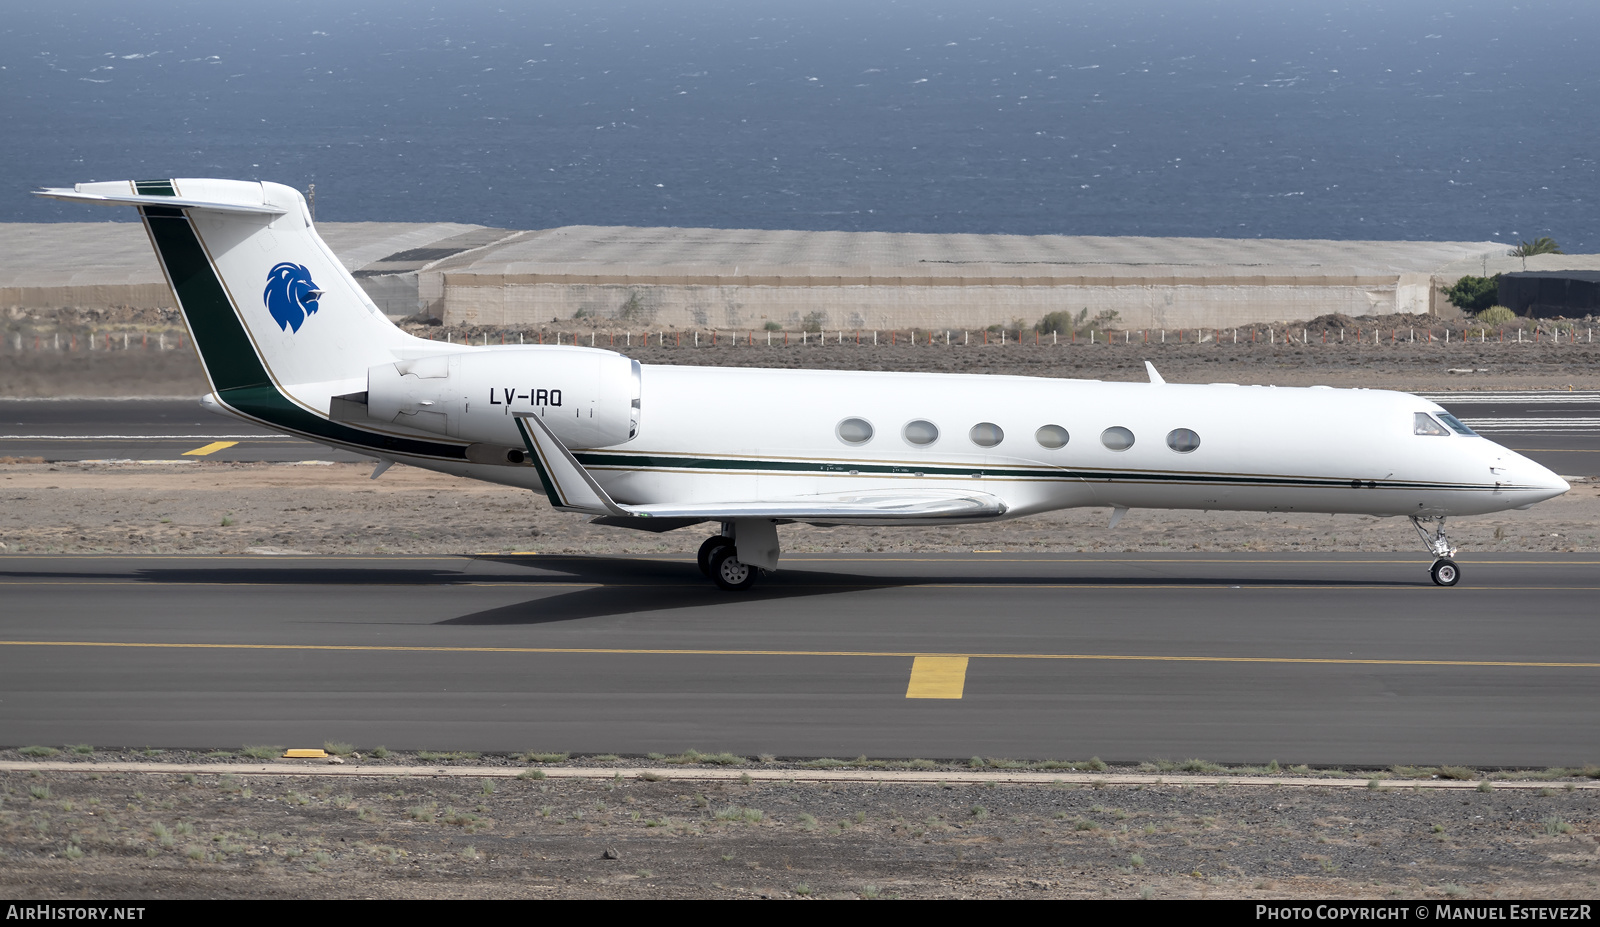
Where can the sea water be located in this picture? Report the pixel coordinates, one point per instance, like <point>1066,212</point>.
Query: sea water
<point>1363,119</point>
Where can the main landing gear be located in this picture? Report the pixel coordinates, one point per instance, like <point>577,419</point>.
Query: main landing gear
<point>719,559</point>
<point>1444,570</point>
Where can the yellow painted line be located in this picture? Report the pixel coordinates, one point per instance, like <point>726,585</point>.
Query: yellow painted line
<point>211,448</point>
<point>937,677</point>
<point>651,651</point>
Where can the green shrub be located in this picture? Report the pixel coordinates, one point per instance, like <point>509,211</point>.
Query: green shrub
<point>1474,294</point>
<point>1495,315</point>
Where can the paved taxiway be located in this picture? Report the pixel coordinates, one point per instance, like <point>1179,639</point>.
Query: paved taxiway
<point>1326,659</point>
<point>1559,429</point>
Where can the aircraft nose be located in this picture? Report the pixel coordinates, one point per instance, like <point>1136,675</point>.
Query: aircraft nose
<point>1534,482</point>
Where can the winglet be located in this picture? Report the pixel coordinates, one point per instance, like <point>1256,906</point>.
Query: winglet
<point>1155,378</point>
<point>566,482</point>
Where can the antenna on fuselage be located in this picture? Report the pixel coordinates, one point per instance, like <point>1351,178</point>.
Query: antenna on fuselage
<point>1155,378</point>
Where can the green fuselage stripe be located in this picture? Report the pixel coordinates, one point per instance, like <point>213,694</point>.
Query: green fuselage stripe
<point>615,461</point>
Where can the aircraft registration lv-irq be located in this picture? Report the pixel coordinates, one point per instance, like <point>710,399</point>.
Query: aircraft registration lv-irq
<point>290,341</point>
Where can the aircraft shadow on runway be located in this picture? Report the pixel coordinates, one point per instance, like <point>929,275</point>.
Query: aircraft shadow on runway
<point>625,586</point>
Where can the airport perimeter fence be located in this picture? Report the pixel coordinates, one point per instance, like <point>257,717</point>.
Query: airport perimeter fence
<point>1543,333</point>
<point>1245,336</point>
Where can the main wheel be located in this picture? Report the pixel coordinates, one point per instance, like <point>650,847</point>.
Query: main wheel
<point>1445,572</point>
<point>708,548</point>
<point>729,572</point>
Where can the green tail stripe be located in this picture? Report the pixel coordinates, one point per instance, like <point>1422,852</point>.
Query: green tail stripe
<point>240,379</point>
<point>224,347</point>
<point>154,188</point>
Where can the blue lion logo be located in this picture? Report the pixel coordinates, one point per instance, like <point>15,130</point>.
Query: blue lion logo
<point>291,297</point>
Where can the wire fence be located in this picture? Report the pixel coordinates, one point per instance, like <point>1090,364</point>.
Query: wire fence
<point>1543,333</point>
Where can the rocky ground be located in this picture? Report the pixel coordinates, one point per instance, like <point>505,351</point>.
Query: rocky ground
<point>105,833</point>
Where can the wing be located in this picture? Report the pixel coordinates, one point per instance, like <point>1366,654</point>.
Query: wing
<point>572,488</point>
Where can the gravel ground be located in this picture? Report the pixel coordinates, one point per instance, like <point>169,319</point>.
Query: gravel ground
<point>117,834</point>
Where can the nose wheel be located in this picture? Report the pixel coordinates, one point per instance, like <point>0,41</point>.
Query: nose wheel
<point>1444,570</point>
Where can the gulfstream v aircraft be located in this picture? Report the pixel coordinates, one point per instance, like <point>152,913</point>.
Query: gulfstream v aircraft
<point>290,341</point>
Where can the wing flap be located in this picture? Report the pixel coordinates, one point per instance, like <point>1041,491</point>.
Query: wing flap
<point>889,505</point>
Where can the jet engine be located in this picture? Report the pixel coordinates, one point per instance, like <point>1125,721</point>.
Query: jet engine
<point>589,398</point>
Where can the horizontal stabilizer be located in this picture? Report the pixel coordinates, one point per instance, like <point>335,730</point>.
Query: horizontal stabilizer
<point>134,199</point>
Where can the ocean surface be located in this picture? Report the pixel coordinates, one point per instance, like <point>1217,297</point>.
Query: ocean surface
<point>1364,119</point>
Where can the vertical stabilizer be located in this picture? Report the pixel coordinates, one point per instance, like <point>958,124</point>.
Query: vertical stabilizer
<point>281,327</point>
<point>268,303</point>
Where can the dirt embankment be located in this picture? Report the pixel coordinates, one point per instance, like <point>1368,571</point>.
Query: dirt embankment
<point>117,834</point>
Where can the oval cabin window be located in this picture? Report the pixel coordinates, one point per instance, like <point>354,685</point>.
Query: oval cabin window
<point>986,434</point>
<point>1117,438</point>
<point>1051,436</point>
<point>921,433</point>
<point>855,431</point>
<point>1182,440</point>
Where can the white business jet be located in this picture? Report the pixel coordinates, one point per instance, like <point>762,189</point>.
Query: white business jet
<point>290,341</point>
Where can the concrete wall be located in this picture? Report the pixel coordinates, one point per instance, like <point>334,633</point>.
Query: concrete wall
<point>922,307</point>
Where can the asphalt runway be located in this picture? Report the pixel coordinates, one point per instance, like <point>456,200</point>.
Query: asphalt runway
<point>1558,429</point>
<point>143,429</point>
<point>1325,659</point>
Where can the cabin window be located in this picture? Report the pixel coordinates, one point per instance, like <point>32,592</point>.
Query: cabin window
<point>921,433</point>
<point>1182,440</point>
<point>986,434</point>
<point>855,431</point>
<point>1455,424</point>
<point>1427,426</point>
<point>1052,436</point>
<point>1117,438</point>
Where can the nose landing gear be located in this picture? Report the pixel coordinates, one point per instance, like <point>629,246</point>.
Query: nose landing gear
<point>1444,570</point>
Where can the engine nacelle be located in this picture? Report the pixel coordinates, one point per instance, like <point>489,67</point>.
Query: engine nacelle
<point>589,398</point>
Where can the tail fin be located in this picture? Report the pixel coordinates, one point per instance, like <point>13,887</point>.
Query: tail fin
<point>279,324</point>
<point>266,300</point>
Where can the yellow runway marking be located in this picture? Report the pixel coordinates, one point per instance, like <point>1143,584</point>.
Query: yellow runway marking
<point>211,448</point>
<point>663,651</point>
<point>937,677</point>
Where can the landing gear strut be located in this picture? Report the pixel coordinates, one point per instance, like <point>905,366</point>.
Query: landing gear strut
<point>1444,570</point>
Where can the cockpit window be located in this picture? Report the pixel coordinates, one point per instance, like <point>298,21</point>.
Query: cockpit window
<point>1455,424</point>
<point>1427,426</point>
